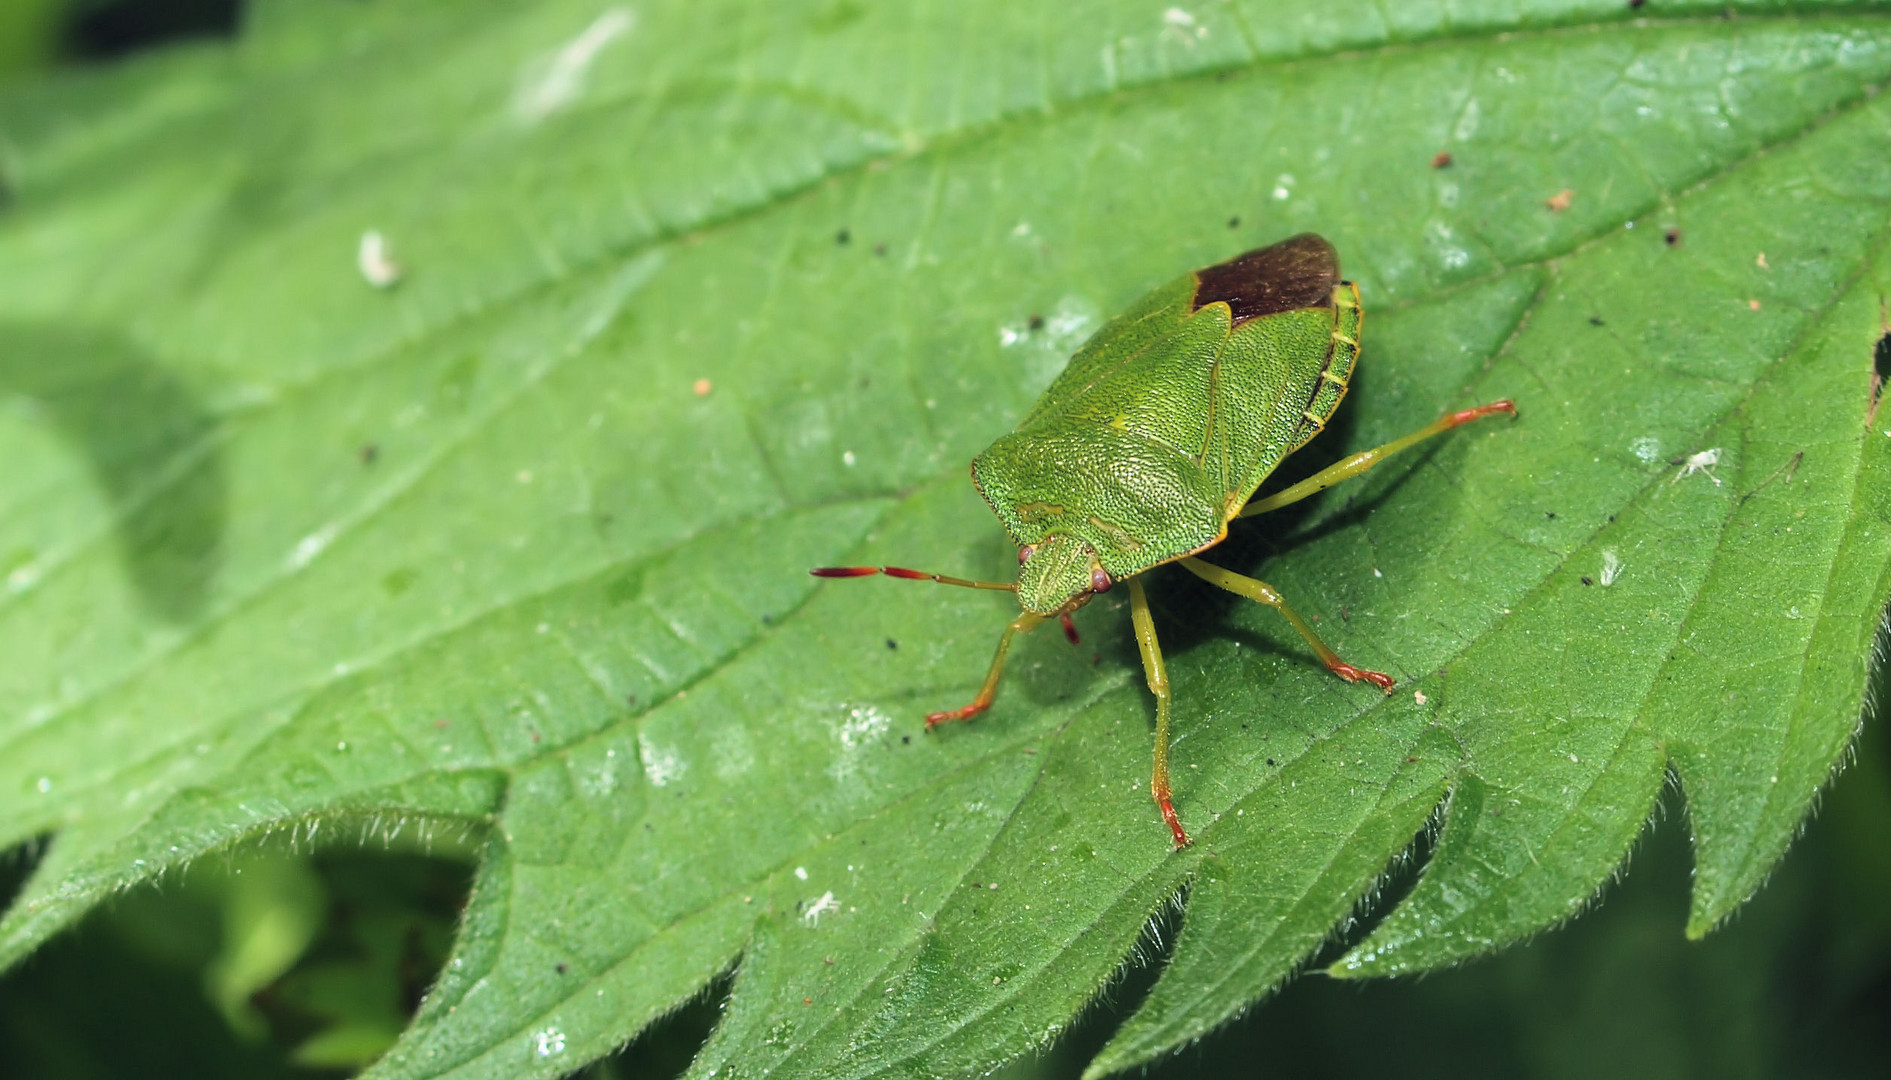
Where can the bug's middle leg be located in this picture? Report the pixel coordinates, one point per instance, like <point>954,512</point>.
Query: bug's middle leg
<point>1159,686</point>
<point>1264,593</point>
<point>1023,624</point>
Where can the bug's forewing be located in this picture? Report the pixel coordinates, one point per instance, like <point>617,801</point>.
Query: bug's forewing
<point>1299,272</point>
<point>1152,320</point>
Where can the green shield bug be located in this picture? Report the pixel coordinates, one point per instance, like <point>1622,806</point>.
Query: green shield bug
<point>1155,437</point>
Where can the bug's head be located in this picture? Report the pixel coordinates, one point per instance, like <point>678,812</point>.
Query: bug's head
<point>1058,575</point>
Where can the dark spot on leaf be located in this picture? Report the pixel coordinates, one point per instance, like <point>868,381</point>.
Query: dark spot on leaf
<point>1441,160</point>
<point>880,250</point>
<point>1551,514</point>
<point>891,644</point>
<point>1586,580</point>
<point>1636,3</point>
<point>1672,236</point>
<point>842,237</point>
<point>368,453</point>
<point>1595,320</point>
<point>906,740</point>
<point>1035,322</point>
<point>625,589</point>
<point>562,968</point>
<point>1270,761</point>
<point>1234,222</point>
<point>398,581</point>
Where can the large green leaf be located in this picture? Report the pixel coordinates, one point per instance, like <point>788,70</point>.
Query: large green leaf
<point>287,552</point>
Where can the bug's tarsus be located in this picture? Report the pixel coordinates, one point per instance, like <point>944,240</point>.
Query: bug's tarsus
<point>1070,628</point>
<point>1465,416</point>
<point>1357,674</point>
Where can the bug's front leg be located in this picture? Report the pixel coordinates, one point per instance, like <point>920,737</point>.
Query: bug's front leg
<point>1159,686</point>
<point>1264,593</point>
<point>1023,624</point>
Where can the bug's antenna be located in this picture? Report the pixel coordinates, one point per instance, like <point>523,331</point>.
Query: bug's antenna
<point>910,575</point>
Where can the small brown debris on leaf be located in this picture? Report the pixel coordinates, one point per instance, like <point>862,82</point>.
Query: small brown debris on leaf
<point>1559,202</point>
<point>1441,159</point>
<point>1761,262</point>
<point>703,387</point>
<point>1673,237</point>
<point>1753,305</point>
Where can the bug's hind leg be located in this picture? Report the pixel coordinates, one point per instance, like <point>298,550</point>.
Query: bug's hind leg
<point>1023,624</point>
<point>1264,593</point>
<point>1159,686</point>
<point>1348,468</point>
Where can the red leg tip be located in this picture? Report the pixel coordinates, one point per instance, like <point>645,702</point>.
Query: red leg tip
<point>1504,406</point>
<point>844,571</point>
<point>933,720</point>
<point>1353,674</point>
<point>1175,823</point>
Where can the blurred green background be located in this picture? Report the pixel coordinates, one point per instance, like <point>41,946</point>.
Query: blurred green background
<point>286,962</point>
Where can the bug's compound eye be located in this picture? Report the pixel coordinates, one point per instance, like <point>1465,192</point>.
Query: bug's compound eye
<point>1100,579</point>
<point>1025,553</point>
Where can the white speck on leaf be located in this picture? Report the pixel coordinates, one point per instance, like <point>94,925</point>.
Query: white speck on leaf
<point>1611,568</point>
<point>847,459</point>
<point>1702,462</point>
<point>377,267</point>
<point>660,765</point>
<point>1419,696</point>
<point>801,873</point>
<point>307,548</point>
<point>24,577</point>
<point>820,907</point>
<point>45,785</point>
<point>551,84</point>
<point>550,1042</point>
<point>1647,448</point>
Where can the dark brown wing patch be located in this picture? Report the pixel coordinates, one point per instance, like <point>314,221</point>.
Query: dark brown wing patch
<point>1299,272</point>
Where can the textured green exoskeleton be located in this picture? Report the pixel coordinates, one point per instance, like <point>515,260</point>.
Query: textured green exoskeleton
<point>1155,437</point>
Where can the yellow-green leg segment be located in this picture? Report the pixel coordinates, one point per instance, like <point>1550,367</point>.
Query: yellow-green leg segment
<point>1159,686</point>
<point>1262,592</point>
<point>1350,467</point>
<point>1023,624</point>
